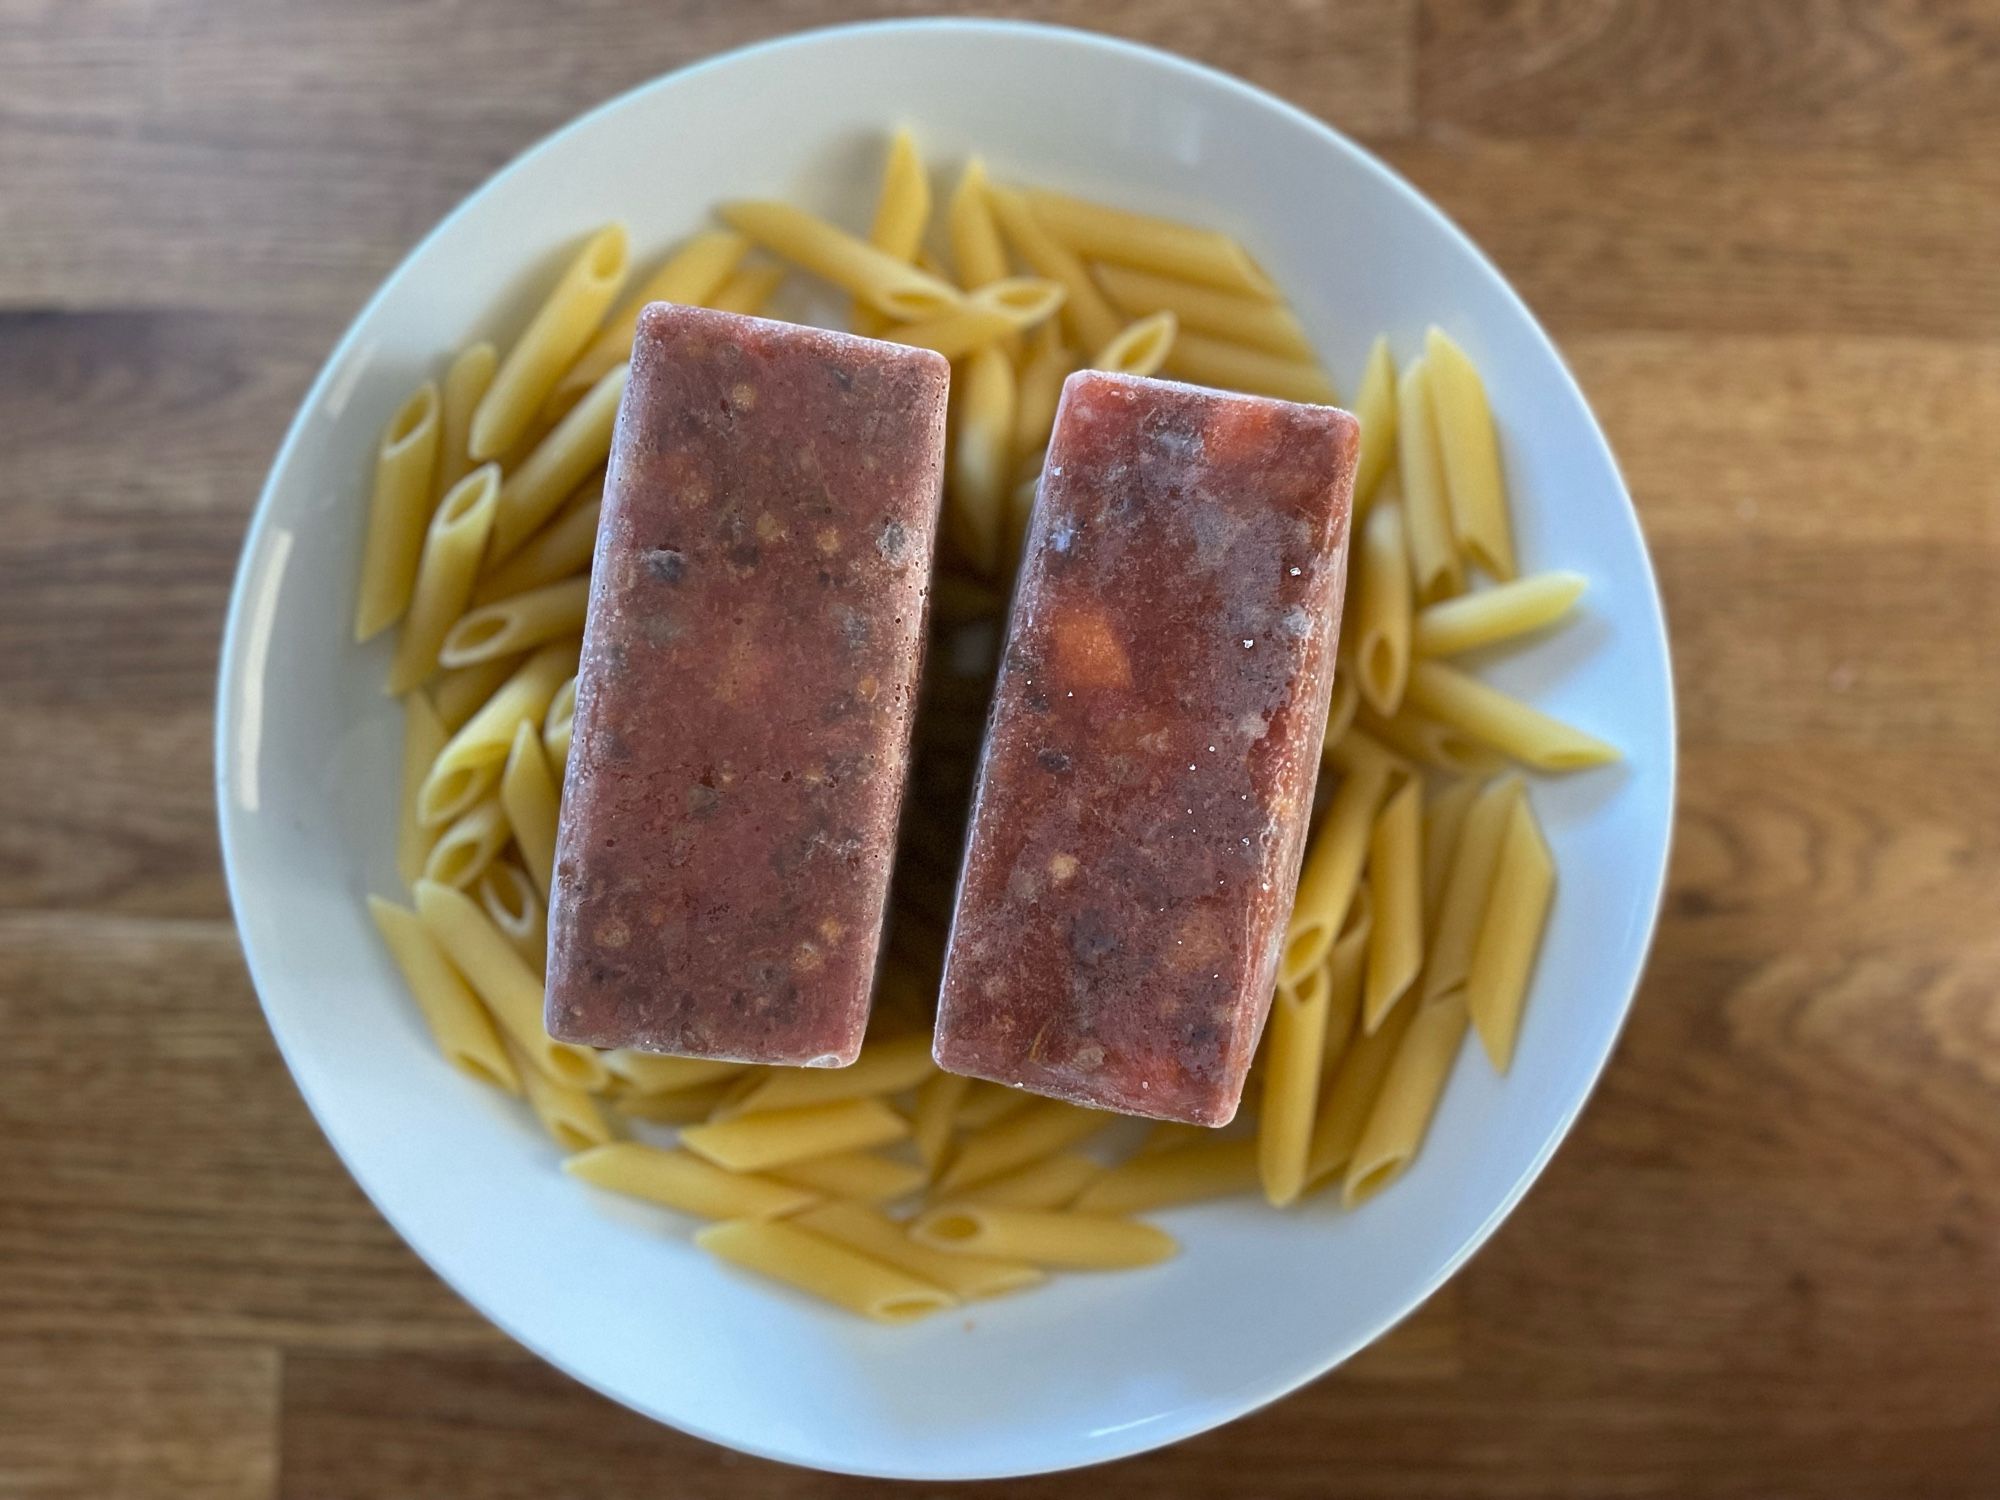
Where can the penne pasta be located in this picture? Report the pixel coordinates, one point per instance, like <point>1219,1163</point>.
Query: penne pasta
<point>1444,820</point>
<point>1331,872</point>
<point>1139,348</point>
<point>885,1067</point>
<point>861,1176</point>
<point>975,239</point>
<point>1051,1183</point>
<point>977,466</point>
<point>478,749</point>
<point>1340,708</point>
<point>458,1022</point>
<point>1294,1047</point>
<point>513,905</point>
<point>468,845</point>
<point>876,279</point>
<point>1256,322</point>
<point>690,276</point>
<point>1434,559</point>
<point>1178,1175</point>
<point>569,1115</point>
<point>1510,934</point>
<point>967,1277</point>
<point>532,801</point>
<point>1489,616</point>
<point>446,569</point>
<point>1041,1129</point>
<point>1462,905</point>
<point>751,1143</point>
<point>1358,751</point>
<point>1165,246</point>
<point>549,344</point>
<point>557,723</point>
<point>682,1181</point>
<point>1471,453</point>
<point>1396,899</point>
<point>1427,742</point>
<point>459,695</point>
<point>1349,1093</point>
<point>1346,965</point>
<point>1087,317</point>
<point>576,446</point>
<point>1202,360</point>
<point>1038,392</point>
<point>399,510</point>
<point>992,313</point>
<point>519,623</point>
<point>1084,1242</point>
<point>1486,714</point>
<point>465,382</point>
<point>561,548</point>
<point>818,1266</point>
<point>938,1097</point>
<point>681,1107</point>
<point>901,211</point>
<point>749,289</point>
<point>652,1073</point>
<point>423,738</point>
<point>1375,405</point>
<point>1408,1098</point>
<point>1382,609</point>
<point>511,990</point>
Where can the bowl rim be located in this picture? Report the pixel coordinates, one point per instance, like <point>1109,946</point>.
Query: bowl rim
<point>239,626</point>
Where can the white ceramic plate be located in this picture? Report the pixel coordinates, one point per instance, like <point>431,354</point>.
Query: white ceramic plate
<point>1090,1368</point>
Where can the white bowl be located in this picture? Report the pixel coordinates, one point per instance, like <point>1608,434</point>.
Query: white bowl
<point>1092,1367</point>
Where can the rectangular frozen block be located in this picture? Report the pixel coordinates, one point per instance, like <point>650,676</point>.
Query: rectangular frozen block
<point>1149,764</point>
<point>749,676</point>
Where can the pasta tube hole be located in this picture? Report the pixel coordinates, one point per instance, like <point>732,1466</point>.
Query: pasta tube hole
<point>417,413</point>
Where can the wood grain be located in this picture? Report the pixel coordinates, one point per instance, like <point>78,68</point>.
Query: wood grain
<point>1767,1262</point>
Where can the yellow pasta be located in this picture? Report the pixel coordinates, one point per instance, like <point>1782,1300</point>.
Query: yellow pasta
<point>1154,244</point>
<point>1462,906</point>
<point>465,383</point>
<point>1471,454</point>
<point>423,738</point>
<point>1349,1094</point>
<point>578,444</point>
<point>884,1067</point>
<point>682,1181</point>
<point>512,904</point>
<point>550,343</point>
<point>1089,319</point>
<point>818,1266</point>
<point>975,239</point>
<point>1510,726</point>
<point>651,1073</point>
<point>1396,897</point>
<point>1340,707</point>
<point>458,1022</point>
<point>1488,616</point>
<point>1332,870</point>
<point>1038,393</point>
<point>1408,1098</point>
<point>461,694</point>
<point>1375,406</point>
<point>1434,559</point>
<point>399,510</point>
<point>519,623</point>
<point>531,799</point>
<point>1427,742</point>
<point>1444,820</point>
<point>749,289</point>
<point>938,1097</point>
<point>1139,348</point>
<point>468,845</point>
<point>1346,966</point>
<point>1051,1183</point>
<point>1230,316</point>
<point>1086,1242</point>
<point>479,748</point>
<point>453,545</point>
<point>988,315</point>
<point>751,1143</point>
<point>499,976</point>
<point>1382,609</point>
<point>1181,1174</point>
<point>1358,752</point>
<point>690,276</point>
<point>1041,1129</point>
<point>559,549</point>
<point>1203,360</point>
<point>901,211</point>
<point>967,1277</point>
<point>1293,1048</point>
<point>976,479</point>
<point>876,279</point>
<point>859,1175</point>
<point>681,1107</point>
<point>570,1116</point>
<point>1510,934</point>
<point>557,724</point>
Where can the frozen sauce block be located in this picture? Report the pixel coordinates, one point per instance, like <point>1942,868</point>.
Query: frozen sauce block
<point>1149,765</point>
<point>749,677</point>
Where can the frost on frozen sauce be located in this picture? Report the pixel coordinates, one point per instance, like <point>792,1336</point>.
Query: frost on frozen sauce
<point>748,681</point>
<point>1149,766</point>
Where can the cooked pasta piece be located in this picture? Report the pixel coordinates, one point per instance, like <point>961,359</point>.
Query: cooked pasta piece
<point>1434,559</point>
<point>1471,452</point>
<point>1396,897</point>
<point>682,1181</point>
<point>975,239</point>
<point>749,289</point>
<point>1358,751</point>
<point>1332,870</point>
<point>690,276</point>
<point>1051,1183</point>
<point>1293,1048</point>
<point>938,1097</point>
<point>531,799</point>
<point>1444,820</point>
<point>680,1107</point>
<point>884,1067</point>
<point>1140,348</point>
<point>423,738</point>
<point>570,1116</point>
<point>478,749</point>
<point>1488,616</point>
<point>1408,1098</point>
<point>1042,1129</point>
<point>901,211</point>
<point>511,990</point>
<point>1180,1174</point>
<point>1375,405</point>
<point>1340,708</point>
<point>461,694</point>
<point>1038,391</point>
<point>989,315</point>
<point>1349,1094</point>
<point>557,723</point>
<point>651,1073</point>
<point>1230,316</point>
<point>976,476</point>
<point>1510,934</point>
<point>1382,609</point>
<point>560,549</point>
<point>449,564</point>
<point>1346,965</point>
<point>513,905</point>
<point>468,845</point>
<point>878,280</point>
<point>859,1175</point>
<point>464,385</point>
<point>1510,726</point>
<point>1089,319</point>
<point>1084,1242</point>
<point>1165,246</point>
<point>399,510</point>
<point>577,445</point>
<point>458,1022</point>
<point>968,1277</point>
<point>751,1143</point>
<point>1425,741</point>
<point>1462,906</point>
<point>818,1266</point>
<point>519,623</point>
<point>1203,360</point>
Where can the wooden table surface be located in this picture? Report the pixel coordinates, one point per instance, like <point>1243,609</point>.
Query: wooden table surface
<point>1768,237</point>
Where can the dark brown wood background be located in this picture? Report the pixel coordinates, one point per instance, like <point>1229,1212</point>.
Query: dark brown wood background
<point>1768,236</point>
